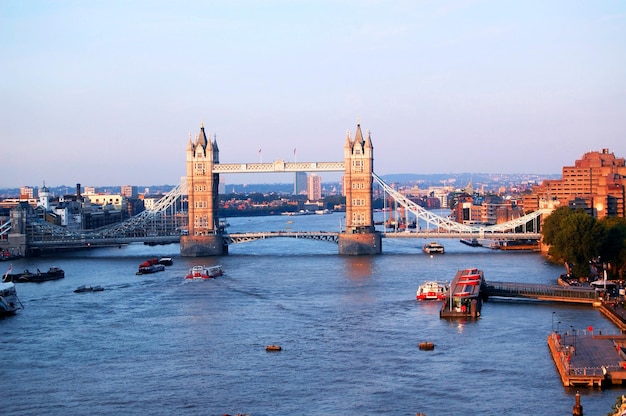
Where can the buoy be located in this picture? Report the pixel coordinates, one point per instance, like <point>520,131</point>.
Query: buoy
<point>273,348</point>
<point>426,346</point>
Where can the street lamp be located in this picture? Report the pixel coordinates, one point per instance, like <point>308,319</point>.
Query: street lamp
<point>574,332</point>
<point>553,320</point>
<point>558,325</point>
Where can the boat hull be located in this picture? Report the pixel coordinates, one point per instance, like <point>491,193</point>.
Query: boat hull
<point>38,277</point>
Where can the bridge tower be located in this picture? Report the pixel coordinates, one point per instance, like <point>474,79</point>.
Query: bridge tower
<point>360,236</point>
<point>204,238</point>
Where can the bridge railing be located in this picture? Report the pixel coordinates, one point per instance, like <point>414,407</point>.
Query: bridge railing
<point>534,290</point>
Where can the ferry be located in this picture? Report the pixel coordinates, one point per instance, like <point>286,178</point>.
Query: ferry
<point>433,248</point>
<point>432,290</point>
<point>203,272</point>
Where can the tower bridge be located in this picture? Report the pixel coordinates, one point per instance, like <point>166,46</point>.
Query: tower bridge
<point>206,237</point>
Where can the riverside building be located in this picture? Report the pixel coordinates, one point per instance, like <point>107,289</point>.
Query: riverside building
<point>596,183</point>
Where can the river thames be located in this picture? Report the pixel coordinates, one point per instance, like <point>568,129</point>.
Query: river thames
<point>349,328</point>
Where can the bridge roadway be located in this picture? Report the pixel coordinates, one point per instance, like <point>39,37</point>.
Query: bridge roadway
<point>333,236</point>
<point>88,240</point>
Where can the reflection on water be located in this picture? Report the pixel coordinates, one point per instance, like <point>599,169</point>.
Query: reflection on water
<point>349,328</point>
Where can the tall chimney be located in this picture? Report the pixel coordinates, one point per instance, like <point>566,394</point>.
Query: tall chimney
<point>77,190</point>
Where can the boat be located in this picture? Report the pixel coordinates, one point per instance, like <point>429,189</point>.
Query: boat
<point>84,288</point>
<point>532,245</point>
<point>426,346</point>
<point>53,273</point>
<point>166,261</point>
<point>432,290</point>
<point>150,266</point>
<point>153,268</point>
<point>9,302</point>
<point>470,242</point>
<point>6,255</point>
<point>433,248</point>
<point>203,272</point>
<point>273,348</point>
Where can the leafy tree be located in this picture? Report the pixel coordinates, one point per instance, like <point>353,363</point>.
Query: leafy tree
<point>613,249</point>
<point>552,224</point>
<point>574,236</point>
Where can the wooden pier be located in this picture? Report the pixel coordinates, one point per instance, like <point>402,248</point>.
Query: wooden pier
<point>584,359</point>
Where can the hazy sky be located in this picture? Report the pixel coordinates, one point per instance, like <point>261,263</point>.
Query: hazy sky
<point>107,92</point>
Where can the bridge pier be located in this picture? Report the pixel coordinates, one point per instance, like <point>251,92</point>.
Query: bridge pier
<point>360,244</point>
<point>202,245</point>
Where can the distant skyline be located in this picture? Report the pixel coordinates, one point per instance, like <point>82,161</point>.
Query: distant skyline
<point>107,93</point>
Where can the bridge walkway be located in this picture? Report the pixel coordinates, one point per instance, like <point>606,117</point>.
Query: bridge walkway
<point>556,293</point>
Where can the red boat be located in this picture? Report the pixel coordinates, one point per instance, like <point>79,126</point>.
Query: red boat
<point>432,291</point>
<point>202,272</point>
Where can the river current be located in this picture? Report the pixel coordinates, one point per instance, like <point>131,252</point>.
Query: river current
<point>349,329</point>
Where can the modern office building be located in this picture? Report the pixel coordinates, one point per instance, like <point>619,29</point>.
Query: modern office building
<point>314,187</point>
<point>300,183</point>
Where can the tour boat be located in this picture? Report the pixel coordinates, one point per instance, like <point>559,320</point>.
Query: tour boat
<point>432,291</point>
<point>433,248</point>
<point>9,302</point>
<point>203,272</point>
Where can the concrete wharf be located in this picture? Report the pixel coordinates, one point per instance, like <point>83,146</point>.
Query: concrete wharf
<point>587,359</point>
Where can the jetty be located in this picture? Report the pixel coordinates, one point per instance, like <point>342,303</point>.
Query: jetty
<point>464,298</point>
<point>587,359</point>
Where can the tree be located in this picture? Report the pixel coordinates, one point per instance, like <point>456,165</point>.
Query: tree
<point>574,237</point>
<point>613,249</point>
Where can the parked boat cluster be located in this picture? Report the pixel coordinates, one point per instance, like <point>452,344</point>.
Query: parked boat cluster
<point>10,303</point>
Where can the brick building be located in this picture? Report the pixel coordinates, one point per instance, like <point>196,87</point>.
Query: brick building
<point>596,183</point>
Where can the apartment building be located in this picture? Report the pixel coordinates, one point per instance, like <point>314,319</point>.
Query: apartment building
<point>596,183</point>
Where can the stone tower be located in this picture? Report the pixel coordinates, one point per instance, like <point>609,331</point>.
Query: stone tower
<point>360,236</point>
<point>202,187</point>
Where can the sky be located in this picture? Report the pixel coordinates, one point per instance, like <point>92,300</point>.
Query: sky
<point>108,92</point>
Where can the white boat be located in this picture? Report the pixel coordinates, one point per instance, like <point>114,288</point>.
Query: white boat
<point>9,302</point>
<point>203,272</point>
<point>433,248</point>
<point>432,290</point>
